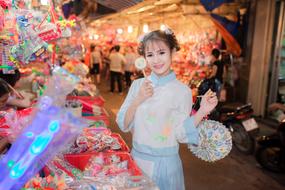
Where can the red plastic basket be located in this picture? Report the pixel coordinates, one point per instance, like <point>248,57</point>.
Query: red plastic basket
<point>93,130</point>
<point>80,161</point>
<point>88,100</point>
<point>123,144</point>
<point>103,118</point>
<point>20,113</point>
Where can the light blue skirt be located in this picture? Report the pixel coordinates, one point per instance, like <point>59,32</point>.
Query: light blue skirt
<point>165,171</point>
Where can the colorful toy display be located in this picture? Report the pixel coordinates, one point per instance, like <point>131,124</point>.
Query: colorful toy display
<point>96,141</point>
<point>50,129</point>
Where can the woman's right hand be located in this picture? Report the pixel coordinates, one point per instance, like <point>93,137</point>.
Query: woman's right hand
<point>145,91</point>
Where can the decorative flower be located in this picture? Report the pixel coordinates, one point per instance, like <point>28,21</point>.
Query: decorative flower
<point>141,38</point>
<point>168,31</point>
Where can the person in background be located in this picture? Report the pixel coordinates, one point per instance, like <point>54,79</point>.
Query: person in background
<point>157,112</point>
<point>95,63</point>
<point>117,61</point>
<point>17,99</point>
<point>4,95</point>
<point>106,63</point>
<point>129,67</point>
<point>217,72</point>
<point>87,57</point>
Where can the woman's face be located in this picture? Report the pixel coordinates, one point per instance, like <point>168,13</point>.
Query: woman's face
<point>158,57</point>
<point>3,100</point>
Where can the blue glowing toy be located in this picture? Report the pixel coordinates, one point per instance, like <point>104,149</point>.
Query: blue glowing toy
<point>50,129</point>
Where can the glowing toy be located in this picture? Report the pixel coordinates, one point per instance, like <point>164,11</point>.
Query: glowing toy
<point>51,128</point>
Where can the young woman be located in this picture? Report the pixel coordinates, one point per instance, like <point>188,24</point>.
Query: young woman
<point>157,111</point>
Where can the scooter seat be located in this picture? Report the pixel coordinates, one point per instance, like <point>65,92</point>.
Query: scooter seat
<point>231,107</point>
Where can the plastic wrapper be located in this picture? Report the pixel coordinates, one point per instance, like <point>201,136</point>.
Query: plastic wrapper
<point>5,3</point>
<point>14,122</point>
<point>75,107</point>
<point>89,100</point>
<point>119,182</point>
<point>104,164</point>
<point>49,31</point>
<point>75,178</point>
<point>77,68</point>
<point>59,166</point>
<point>103,141</point>
<point>215,141</point>
<point>6,64</point>
<point>97,124</point>
<point>50,130</point>
<point>30,44</point>
<point>98,120</point>
<point>49,182</point>
<point>92,131</point>
<point>62,83</point>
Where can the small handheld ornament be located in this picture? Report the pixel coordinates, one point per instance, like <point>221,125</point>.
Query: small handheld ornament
<point>140,64</point>
<point>215,141</point>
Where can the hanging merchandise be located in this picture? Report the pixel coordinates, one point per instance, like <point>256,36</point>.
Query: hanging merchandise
<point>8,38</point>
<point>30,45</point>
<point>47,29</point>
<point>49,182</point>
<point>7,65</point>
<point>54,27</point>
<point>5,3</point>
<point>1,19</point>
<point>24,33</point>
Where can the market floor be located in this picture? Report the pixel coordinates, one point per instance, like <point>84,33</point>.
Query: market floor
<point>235,172</point>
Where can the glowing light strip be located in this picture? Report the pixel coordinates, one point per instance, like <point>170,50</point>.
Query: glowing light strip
<point>39,144</point>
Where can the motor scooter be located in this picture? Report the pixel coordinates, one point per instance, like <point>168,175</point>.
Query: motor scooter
<point>270,153</point>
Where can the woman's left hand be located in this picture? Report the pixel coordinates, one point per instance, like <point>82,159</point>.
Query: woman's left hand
<point>209,102</point>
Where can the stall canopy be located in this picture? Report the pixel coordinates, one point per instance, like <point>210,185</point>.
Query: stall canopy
<point>185,17</point>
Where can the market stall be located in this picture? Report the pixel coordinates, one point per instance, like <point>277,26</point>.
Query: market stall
<point>66,130</point>
<point>200,26</point>
<point>63,140</point>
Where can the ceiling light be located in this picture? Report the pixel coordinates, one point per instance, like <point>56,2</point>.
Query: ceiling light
<point>44,2</point>
<point>130,29</point>
<point>145,28</point>
<point>96,36</point>
<point>119,30</point>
